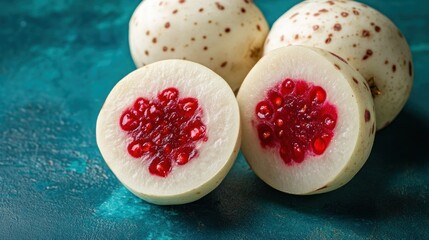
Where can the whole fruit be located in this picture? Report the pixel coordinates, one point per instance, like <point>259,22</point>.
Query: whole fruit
<point>226,36</point>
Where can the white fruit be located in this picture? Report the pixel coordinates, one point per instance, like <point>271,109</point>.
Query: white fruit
<point>364,37</point>
<point>226,36</point>
<point>161,136</point>
<point>321,152</point>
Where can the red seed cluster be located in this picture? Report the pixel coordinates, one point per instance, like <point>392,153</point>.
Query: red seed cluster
<point>165,130</point>
<point>296,118</point>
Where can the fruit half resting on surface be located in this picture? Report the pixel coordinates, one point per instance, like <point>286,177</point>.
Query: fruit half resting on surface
<point>223,35</point>
<point>364,37</point>
<point>170,131</point>
<point>308,120</point>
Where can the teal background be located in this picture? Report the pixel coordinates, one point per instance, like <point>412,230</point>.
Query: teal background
<point>59,60</point>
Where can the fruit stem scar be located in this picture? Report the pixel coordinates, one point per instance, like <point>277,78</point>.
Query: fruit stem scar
<point>375,91</point>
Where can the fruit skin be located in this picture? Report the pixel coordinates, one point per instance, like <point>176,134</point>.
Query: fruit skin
<point>353,135</point>
<point>216,156</point>
<point>226,36</point>
<point>361,35</point>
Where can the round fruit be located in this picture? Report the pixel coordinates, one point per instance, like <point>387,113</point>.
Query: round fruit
<point>170,131</point>
<point>361,35</point>
<point>308,120</point>
<point>226,36</point>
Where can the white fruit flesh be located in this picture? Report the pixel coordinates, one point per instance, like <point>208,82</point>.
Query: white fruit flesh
<point>367,39</point>
<point>353,135</point>
<point>185,183</point>
<point>226,36</point>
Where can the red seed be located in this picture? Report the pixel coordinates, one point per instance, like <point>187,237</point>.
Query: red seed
<point>160,167</point>
<point>264,110</point>
<point>287,86</point>
<point>135,149</point>
<point>128,121</point>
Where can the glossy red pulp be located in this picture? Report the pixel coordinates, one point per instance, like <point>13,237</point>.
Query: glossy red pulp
<point>296,119</point>
<point>165,130</point>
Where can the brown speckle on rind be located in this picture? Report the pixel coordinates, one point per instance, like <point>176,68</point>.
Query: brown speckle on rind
<point>227,30</point>
<point>367,115</point>
<point>315,27</point>
<point>205,48</point>
<point>204,37</point>
<point>296,36</point>
<point>355,80</point>
<point>344,14</point>
<point>165,49</point>
<point>146,52</point>
<point>243,10</point>
<point>377,28</point>
<point>223,64</point>
<point>326,186</point>
<point>167,25</point>
<point>154,40</point>
<point>328,40</point>
<point>393,68</point>
<point>147,33</point>
<point>282,38</point>
<point>355,12</point>
<point>375,91</point>
<point>258,27</point>
<point>323,10</point>
<point>192,39</point>
<point>220,6</point>
<point>386,62</point>
<point>182,1</point>
<point>354,45</point>
<point>172,49</point>
<point>337,66</point>
<point>175,11</point>
<point>337,27</point>
<point>201,10</point>
<point>410,68</point>
<point>366,33</point>
<point>294,15</point>
<point>340,58</point>
<point>368,54</point>
<point>400,34</point>
<point>316,14</point>
<point>247,1</point>
<point>330,2</point>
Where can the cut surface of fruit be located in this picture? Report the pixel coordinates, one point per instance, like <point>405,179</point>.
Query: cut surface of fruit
<point>305,120</point>
<point>170,131</point>
<point>296,119</point>
<point>166,129</point>
<point>360,35</point>
<point>225,36</point>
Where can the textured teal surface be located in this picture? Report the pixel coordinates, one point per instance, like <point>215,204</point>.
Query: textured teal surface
<point>59,60</point>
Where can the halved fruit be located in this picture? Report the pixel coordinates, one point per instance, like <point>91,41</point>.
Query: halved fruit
<point>170,131</point>
<point>308,120</point>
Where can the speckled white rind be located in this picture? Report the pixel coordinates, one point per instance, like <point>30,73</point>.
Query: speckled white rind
<point>202,174</point>
<point>226,36</point>
<point>364,37</point>
<point>353,134</point>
